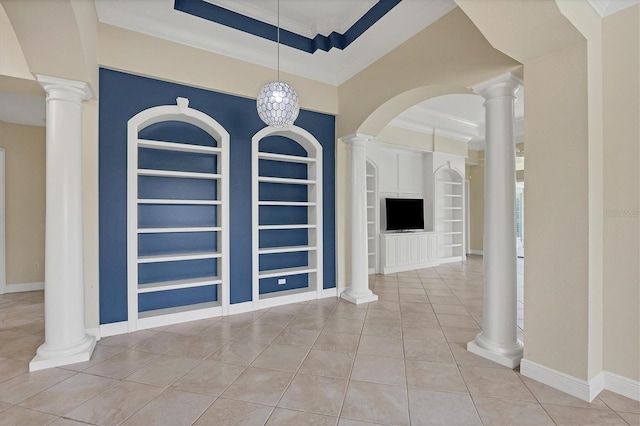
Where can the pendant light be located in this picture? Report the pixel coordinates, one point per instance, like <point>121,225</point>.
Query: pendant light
<point>277,102</point>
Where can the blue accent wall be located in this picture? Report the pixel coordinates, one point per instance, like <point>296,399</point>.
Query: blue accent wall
<point>124,95</point>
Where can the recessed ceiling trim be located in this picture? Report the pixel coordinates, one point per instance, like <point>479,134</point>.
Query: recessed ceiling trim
<point>229,18</point>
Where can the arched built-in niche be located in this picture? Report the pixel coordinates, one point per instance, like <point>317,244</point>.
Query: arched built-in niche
<point>449,214</point>
<point>178,216</point>
<point>373,217</point>
<point>287,216</point>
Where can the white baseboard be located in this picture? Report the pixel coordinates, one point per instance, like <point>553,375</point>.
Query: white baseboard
<point>579,388</point>
<point>582,389</point>
<point>622,385</point>
<point>240,308</point>
<point>329,292</point>
<point>19,288</point>
<point>114,328</point>
<point>478,252</point>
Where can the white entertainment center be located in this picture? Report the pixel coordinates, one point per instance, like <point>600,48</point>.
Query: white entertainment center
<point>435,177</point>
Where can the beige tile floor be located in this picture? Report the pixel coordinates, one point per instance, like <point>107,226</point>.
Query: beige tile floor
<point>401,360</point>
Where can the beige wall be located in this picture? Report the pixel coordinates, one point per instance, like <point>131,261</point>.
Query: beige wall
<point>475,174</point>
<point>25,201</point>
<point>424,60</point>
<point>621,71</point>
<point>557,225</point>
<point>137,53</point>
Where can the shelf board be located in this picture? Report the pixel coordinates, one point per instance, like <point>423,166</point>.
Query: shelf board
<point>449,182</point>
<point>450,233</point>
<point>178,309</point>
<point>288,203</point>
<point>178,174</point>
<point>175,230</point>
<point>450,245</point>
<point>371,238</point>
<point>371,207</point>
<point>285,249</point>
<point>450,220</point>
<point>283,293</point>
<point>179,202</point>
<point>269,179</point>
<point>371,254</point>
<point>369,191</point>
<point>178,284</point>
<point>183,147</point>
<point>452,195</point>
<point>371,176</point>
<point>179,256</point>
<point>285,157</point>
<point>271,273</point>
<point>295,226</point>
<point>451,208</point>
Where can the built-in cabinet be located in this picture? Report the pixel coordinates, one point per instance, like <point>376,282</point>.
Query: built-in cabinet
<point>407,251</point>
<point>437,178</point>
<point>178,218</point>
<point>287,216</point>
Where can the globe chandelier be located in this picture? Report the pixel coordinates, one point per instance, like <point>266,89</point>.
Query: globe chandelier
<point>278,105</point>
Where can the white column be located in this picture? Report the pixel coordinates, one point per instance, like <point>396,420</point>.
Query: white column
<point>498,340</point>
<point>359,292</point>
<point>66,341</point>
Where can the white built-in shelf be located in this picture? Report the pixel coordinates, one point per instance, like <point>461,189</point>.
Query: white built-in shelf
<point>287,203</point>
<point>449,214</point>
<point>179,229</point>
<point>270,179</point>
<point>371,222</point>
<point>271,273</point>
<point>183,147</point>
<point>178,174</point>
<point>217,176</point>
<point>309,198</point>
<point>179,202</point>
<point>371,207</point>
<point>286,249</point>
<point>284,157</point>
<point>371,176</point>
<point>179,256</point>
<point>193,309</point>
<point>178,284</point>
<point>371,238</point>
<point>369,191</point>
<point>293,226</point>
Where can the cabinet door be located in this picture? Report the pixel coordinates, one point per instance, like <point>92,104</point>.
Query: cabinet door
<point>413,243</point>
<point>424,249</point>
<point>391,251</point>
<point>433,247</point>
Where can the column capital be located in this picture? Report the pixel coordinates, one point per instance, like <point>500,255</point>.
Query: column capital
<point>357,139</point>
<point>76,91</point>
<point>505,85</point>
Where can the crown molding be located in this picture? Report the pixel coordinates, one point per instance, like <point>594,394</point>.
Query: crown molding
<point>605,8</point>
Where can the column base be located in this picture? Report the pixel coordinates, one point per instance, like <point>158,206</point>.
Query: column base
<point>507,356</point>
<point>359,298</point>
<point>49,358</point>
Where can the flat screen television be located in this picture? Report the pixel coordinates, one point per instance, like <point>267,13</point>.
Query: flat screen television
<point>404,214</point>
